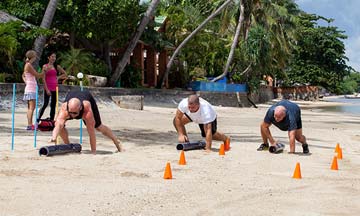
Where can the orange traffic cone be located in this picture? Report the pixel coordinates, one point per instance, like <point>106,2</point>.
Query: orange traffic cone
<point>297,171</point>
<point>227,144</point>
<point>182,160</point>
<point>167,173</point>
<point>337,147</point>
<point>222,149</point>
<point>339,154</point>
<point>334,165</point>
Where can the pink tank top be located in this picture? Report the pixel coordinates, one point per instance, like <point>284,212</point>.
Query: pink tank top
<point>51,79</point>
<point>30,82</point>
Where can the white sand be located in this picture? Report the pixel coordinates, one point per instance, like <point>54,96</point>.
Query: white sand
<point>243,182</point>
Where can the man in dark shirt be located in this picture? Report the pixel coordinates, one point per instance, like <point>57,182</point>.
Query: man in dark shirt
<point>287,117</point>
<point>82,105</point>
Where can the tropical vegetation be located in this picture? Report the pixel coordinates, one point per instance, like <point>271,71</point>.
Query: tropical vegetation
<point>242,40</point>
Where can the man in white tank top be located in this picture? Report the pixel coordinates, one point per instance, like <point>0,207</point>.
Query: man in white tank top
<point>197,110</point>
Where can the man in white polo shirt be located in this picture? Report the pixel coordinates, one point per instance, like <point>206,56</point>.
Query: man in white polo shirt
<point>199,111</point>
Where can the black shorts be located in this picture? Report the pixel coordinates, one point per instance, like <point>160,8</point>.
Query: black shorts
<point>96,114</point>
<point>201,126</point>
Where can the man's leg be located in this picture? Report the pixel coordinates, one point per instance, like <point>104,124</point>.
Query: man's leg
<point>301,138</point>
<point>106,131</point>
<point>219,136</point>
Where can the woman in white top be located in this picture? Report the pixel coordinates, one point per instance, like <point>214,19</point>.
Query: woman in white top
<point>198,110</point>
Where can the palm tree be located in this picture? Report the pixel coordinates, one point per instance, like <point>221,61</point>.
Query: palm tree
<point>45,23</point>
<point>132,44</point>
<point>75,60</point>
<point>168,66</point>
<point>234,43</point>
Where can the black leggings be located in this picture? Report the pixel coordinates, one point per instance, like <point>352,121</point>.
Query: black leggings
<point>46,103</point>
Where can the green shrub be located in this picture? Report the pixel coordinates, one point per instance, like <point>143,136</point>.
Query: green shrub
<point>98,68</point>
<point>131,78</point>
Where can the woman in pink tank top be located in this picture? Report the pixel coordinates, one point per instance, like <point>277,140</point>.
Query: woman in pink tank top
<point>29,76</point>
<point>50,71</point>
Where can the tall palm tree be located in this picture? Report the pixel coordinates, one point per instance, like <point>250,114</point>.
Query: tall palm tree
<point>182,44</point>
<point>132,44</point>
<point>234,43</point>
<point>45,23</point>
<point>279,19</point>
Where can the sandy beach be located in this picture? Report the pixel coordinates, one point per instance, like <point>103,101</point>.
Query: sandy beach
<point>243,182</point>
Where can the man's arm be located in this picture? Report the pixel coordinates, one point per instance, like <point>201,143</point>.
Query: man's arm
<point>265,132</point>
<point>180,127</point>
<point>208,137</point>
<point>292,140</point>
<point>59,123</point>
<point>88,117</point>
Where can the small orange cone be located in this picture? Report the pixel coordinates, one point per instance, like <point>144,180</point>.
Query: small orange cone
<point>297,171</point>
<point>227,144</point>
<point>222,149</point>
<point>337,147</point>
<point>167,173</point>
<point>334,165</point>
<point>182,160</point>
<point>339,154</point>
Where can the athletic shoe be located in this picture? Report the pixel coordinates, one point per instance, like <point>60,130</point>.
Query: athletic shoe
<point>305,148</point>
<point>29,128</point>
<point>264,146</point>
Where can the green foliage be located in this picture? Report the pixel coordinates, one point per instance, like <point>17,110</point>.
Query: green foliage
<point>351,84</point>
<point>209,48</point>
<point>15,40</point>
<point>274,40</point>
<point>131,78</point>
<point>2,77</point>
<point>109,20</point>
<point>31,11</point>
<point>198,74</point>
<point>75,61</point>
<point>97,67</point>
<point>8,41</point>
<point>319,58</point>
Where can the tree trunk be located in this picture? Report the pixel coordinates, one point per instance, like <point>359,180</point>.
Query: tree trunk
<point>234,44</point>
<point>168,66</point>
<point>45,23</point>
<point>106,54</point>
<point>122,63</point>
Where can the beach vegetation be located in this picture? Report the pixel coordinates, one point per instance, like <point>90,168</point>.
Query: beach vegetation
<point>276,38</point>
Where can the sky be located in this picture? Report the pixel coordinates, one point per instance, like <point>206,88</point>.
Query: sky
<point>346,14</point>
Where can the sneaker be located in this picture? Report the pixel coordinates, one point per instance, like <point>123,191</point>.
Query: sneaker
<point>305,148</point>
<point>264,146</point>
<point>29,128</point>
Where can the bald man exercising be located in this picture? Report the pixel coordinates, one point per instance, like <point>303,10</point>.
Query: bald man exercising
<point>287,117</point>
<point>197,110</point>
<point>82,105</point>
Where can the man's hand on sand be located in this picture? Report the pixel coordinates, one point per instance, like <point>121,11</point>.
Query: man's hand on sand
<point>183,138</point>
<point>119,146</point>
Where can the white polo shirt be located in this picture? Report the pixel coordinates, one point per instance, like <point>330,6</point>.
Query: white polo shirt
<point>204,115</point>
